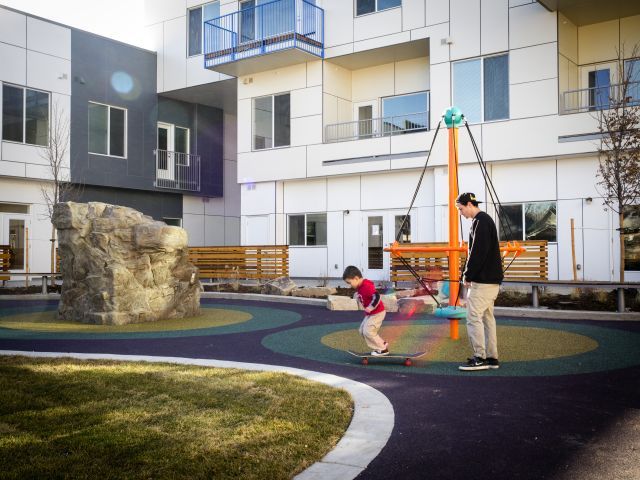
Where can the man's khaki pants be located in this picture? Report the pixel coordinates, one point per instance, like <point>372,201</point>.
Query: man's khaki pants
<point>369,330</point>
<point>481,324</point>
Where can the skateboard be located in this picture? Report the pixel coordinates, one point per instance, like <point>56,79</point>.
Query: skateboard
<point>407,357</point>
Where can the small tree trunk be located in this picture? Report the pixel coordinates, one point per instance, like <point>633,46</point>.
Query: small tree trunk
<point>53,255</point>
<point>622,235</point>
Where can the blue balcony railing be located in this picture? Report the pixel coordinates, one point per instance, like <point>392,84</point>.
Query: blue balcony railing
<point>266,28</point>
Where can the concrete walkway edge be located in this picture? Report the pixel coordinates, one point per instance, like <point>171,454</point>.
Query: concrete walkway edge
<point>361,443</point>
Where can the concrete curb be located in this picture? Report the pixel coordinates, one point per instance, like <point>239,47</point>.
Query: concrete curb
<point>529,312</point>
<point>361,443</point>
<point>265,298</point>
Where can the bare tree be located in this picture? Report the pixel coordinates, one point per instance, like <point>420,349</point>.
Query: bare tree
<point>618,178</point>
<point>59,187</point>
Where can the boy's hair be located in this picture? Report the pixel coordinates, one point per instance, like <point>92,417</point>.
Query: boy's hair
<point>351,272</point>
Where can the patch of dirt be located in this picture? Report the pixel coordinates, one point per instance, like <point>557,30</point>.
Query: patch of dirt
<point>231,288</point>
<point>586,300</point>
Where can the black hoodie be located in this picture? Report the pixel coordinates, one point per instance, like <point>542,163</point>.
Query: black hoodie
<point>484,263</point>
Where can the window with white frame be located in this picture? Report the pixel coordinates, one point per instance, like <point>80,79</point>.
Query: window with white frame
<point>528,221</point>
<point>271,121</point>
<point>25,115</point>
<point>408,112</point>
<point>308,229</point>
<point>369,6</point>
<point>632,73</point>
<point>481,88</point>
<point>197,18</point>
<point>107,130</point>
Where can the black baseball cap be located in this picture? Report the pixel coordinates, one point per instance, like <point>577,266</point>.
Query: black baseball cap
<point>467,197</point>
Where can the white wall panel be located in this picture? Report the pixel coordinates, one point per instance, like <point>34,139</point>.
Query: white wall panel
<point>273,81</point>
<point>531,24</point>
<point>518,182</point>
<point>277,164</point>
<point>335,246</point>
<point>256,230</point>
<point>528,64</point>
<point>438,52</point>
<point>577,177</point>
<point>413,15</point>
<point>353,248</point>
<point>412,75</point>
<point>598,260</point>
<point>308,262</point>
<point>314,73</point>
<point>245,125</point>
<point>533,99</point>
<point>566,210</point>
<point>338,81</point>
<point>338,23</point>
<point>494,28</point>
<point>629,33</point>
<point>14,64</point>
<point>154,35</point>
<point>175,61</point>
<point>306,130</point>
<point>13,28</point>
<point>197,74</point>
<point>48,73</point>
<point>18,152</point>
<point>259,200</point>
<point>567,38</point>
<point>378,24</point>
<point>49,38</point>
<point>440,80</point>
<point>465,28</point>
<point>307,101</point>
<point>598,42</point>
<point>12,169</point>
<point>306,196</point>
<point>373,82</point>
<point>159,10</point>
<point>194,225</point>
<point>213,230</point>
<point>343,193</point>
<point>437,11</point>
<point>389,190</point>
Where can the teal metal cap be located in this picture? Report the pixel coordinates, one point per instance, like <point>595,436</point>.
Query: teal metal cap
<point>452,117</point>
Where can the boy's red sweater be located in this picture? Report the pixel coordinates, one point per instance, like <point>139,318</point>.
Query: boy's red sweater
<point>366,291</point>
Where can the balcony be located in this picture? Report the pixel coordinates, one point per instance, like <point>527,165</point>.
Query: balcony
<point>264,37</point>
<point>599,98</point>
<point>377,127</point>
<point>177,171</point>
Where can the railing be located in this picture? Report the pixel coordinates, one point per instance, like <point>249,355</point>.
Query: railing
<point>599,98</point>
<point>377,127</point>
<point>177,171</point>
<point>265,28</point>
<point>241,262</point>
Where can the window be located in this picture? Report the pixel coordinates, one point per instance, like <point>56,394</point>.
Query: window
<point>176,222</point>
<point>107,130</point>
<point>528,221</point>
<point>271,121</point>
<point>599,81</point>
<point>308,229</point>
<point>197,17</point>
<point>405,237</point>
<point>631,226</point>
<point>405,112</point>
<point>25,115</point>
<point>481,88</point>
<point>632,72</point>
<point>369,6</point>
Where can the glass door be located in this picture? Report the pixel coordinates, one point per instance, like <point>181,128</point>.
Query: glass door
<point>247,21</point>
<point>14,231</point>
<point>381,231</point>
<point>365,114</point>
<point>166,166</point>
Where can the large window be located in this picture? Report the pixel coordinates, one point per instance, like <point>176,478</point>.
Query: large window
<point>405,112</point>
<point>271,121</point>
<point>528,221</point>
<point>107,130</point>
<point>481,88</point>
<point>25,115</point>
<point>631,226</point>
<point>632,72</point>
<point>197,17</point>
<point>369,6</point>
<point>308,229</point>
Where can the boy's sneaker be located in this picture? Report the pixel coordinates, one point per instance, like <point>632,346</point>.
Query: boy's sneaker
<point>474,363</point>
<point>493,363</point>
<point>380,353</point>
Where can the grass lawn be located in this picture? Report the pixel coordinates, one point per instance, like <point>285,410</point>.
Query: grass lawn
<point>63,418</point>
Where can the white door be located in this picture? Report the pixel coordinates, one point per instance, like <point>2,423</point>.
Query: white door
<point>380,229</point>
<point>366,122</point>
<point>13,232</point>
<point>166,163</point>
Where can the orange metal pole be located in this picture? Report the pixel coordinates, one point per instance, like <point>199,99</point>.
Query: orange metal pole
<point>454,232</point>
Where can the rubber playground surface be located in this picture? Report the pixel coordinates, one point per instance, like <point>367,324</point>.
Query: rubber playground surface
<point>563,391</point>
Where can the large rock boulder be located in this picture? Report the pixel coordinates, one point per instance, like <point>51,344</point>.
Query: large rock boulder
<point>120,266</point>
<point>279,286</point>
<point>313,292</point>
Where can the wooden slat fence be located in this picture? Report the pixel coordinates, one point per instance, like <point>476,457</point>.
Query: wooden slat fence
<point>5,261</point>
<point>531,265</point>
<point>261,262</point>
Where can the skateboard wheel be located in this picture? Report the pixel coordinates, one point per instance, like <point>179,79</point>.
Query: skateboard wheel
<point>407,362</point>
<point>365,361</point>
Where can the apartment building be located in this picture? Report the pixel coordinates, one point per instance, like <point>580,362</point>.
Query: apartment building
<point>127,145</point>
<point>338,102</point>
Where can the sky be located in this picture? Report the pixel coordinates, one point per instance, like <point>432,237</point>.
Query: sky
<point>118,19</point>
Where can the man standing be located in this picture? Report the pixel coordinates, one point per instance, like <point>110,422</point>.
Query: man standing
<point>482,278</point>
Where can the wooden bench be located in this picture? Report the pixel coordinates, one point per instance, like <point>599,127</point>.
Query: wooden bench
<point>263,262</point>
